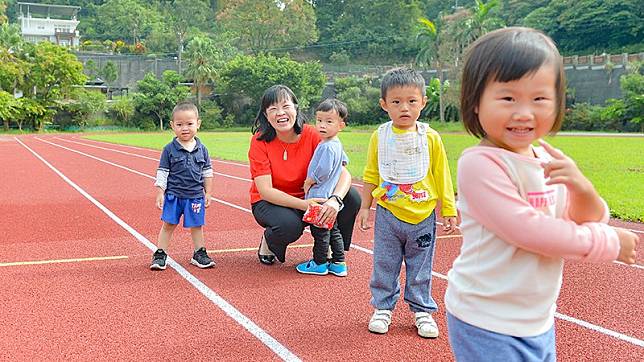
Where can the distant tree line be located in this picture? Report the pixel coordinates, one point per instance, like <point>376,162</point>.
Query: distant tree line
<point>359,31</point>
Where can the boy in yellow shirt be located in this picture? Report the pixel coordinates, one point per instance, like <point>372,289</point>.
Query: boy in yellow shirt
<point>407,173</point>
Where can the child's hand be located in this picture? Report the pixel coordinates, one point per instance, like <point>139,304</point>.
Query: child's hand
<point>563,170</point>
<point>627,242</point>
<point>449,224</point>
<point>206,200</point>
<point>159,199</point>
<point>363,218</point>
<point>308,183</point>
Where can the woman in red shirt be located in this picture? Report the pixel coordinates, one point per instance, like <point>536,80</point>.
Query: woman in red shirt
<point>279,155</point>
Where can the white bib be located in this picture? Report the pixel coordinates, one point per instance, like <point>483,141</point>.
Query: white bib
<point>403,158</point>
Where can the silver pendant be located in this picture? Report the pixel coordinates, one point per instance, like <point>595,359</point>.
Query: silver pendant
<point>285,156</point>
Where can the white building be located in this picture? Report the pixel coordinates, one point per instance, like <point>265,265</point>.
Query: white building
<point>45,22</point>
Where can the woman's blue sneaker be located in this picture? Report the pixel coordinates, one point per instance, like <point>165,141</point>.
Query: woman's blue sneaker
<point>310,267</point>
<point>338,269</point>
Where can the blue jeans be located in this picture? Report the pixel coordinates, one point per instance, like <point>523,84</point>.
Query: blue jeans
<point>395,241</point>
<point>470,343</point>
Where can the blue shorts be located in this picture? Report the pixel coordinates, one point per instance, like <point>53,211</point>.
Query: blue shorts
<point>193,211</point>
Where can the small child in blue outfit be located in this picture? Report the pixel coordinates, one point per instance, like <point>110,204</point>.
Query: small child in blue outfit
<point>183,177</point>
<point>321,178</point>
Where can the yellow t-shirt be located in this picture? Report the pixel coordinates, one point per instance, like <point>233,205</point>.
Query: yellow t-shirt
<point>414,203</point>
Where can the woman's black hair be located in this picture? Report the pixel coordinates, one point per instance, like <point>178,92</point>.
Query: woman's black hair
<point>271,96</point>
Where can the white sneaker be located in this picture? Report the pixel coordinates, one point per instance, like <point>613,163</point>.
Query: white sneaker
<point>426,325</point>
<point>380,321</point>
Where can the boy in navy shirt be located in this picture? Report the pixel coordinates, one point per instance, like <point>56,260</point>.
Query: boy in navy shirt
<point>321,178</point>
<point>183,177</point>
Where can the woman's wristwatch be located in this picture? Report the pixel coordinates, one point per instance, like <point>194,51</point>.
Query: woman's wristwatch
<point>338,199</point>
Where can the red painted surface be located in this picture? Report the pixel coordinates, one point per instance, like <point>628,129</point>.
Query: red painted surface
<point>118,309</point>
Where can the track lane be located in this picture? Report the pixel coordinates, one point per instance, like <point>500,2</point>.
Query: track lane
<point>367,277</point>
<point>72,305</point>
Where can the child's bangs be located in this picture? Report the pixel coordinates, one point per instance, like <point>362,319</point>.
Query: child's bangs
<point>517,60</point>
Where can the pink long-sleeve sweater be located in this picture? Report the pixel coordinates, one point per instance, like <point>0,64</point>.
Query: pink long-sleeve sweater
<point>516,234</point>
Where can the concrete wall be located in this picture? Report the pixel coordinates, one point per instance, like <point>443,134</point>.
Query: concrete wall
<point>132,68</point>
<point>592,83</point>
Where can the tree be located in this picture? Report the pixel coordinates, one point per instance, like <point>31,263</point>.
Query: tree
<point>203,60</point>
<point>159,96</point>
<point>184,15</point>
<point>264,25</point>
<point>428,55</point>
<point>590,25</point>
<point>9,108</point>
<point>481,20</point>
<point>54,70</point>
<point>109,73</point>
<point>3,11</point>
<point>123,108</point>
<point>245,78</point>
<point>130,20</point>
<point>374,29</point>
<point>13,70</point>
<point>91,70</point>
<point>513,11</point>
<point>10,37</point>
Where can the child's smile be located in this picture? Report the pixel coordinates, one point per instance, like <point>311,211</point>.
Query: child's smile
<point>514,114</point>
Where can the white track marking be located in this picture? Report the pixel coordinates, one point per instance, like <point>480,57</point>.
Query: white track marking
<point>149,149</point>
<point>599,329</point>
<point>144,157</point>
<point>231,311</point>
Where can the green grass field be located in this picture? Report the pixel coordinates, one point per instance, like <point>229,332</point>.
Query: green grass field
<point>615,165</point>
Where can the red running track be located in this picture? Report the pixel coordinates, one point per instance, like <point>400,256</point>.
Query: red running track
<point>93,296</point>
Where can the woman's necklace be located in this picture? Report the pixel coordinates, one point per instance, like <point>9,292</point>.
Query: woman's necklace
<point>285,146</point>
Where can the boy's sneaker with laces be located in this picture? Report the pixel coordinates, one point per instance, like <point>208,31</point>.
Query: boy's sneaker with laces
<point>426,325</point>
<point>158,260</point>
<point>201,259</point>
<point>311,267</point>
<point>380,321</point>
<point>338,269</point>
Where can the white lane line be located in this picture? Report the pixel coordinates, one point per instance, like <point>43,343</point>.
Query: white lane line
<point>606,331</point>
<point>231,311</point>
<point>148,158</point>
<point>150,150</point>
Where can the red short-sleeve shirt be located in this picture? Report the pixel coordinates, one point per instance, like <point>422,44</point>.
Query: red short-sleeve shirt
<point>266,158</point>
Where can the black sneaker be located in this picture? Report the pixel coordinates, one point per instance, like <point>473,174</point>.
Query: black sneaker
<point>201,259</point>
<point>158,260</point>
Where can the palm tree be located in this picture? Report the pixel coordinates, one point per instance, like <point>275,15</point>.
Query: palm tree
<point>202,59</point>
<point>429,56</point>
<point>480,21</point>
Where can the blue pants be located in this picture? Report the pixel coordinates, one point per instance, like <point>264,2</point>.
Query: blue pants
<point>470,343</point>
<point>395,241</point>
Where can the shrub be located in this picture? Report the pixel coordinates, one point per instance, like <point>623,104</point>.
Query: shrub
<point>361,96</point>
<point>582,117</point>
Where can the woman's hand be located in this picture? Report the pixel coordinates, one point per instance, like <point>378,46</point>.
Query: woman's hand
<point>329,211</point>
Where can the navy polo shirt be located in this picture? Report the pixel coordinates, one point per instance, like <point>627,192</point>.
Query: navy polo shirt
<point>185,178</point>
